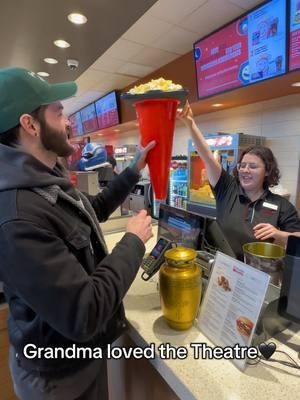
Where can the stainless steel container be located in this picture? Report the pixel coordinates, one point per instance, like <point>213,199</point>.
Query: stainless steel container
<point>267,257</point>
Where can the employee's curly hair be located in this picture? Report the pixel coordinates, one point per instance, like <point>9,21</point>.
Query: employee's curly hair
<point>270,162</point>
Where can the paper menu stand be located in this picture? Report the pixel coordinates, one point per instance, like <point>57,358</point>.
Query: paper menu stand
<point>232,303</point>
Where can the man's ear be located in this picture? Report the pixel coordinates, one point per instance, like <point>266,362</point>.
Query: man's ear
<point>30,125</point>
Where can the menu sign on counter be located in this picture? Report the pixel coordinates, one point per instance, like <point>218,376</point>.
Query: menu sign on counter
<point>294,58</point>
<point>232,303</point>
<point>248,50</point>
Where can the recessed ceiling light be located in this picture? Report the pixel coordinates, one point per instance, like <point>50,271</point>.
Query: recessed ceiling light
<point>217,105</point>
<point>296,84</point>
<point>116,130</point>
<point>77,18</point>
<point>61,43</point>
<point>43,74</point>
<point>50,60</point>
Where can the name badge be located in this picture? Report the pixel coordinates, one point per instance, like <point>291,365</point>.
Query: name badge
<point>270,205</point>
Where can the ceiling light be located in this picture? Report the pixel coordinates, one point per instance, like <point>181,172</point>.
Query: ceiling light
<point>61,43</point>
<point>116,130</point>
<point>50,60</point>
<point>77,18</point>
<point>296,84</point>
<point>217,105</point>
<point>43,74</point>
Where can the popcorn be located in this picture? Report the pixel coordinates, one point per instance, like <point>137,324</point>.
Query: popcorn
<point>155,84</point>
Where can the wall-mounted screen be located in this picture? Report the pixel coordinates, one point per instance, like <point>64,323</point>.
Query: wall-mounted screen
<point>107,111</point>
<point>294,50</point>
<point>248,50</point>
<point>76,124</point>
<point>89,119</point>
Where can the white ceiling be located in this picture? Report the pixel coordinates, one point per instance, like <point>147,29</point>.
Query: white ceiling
<point>165,32</point>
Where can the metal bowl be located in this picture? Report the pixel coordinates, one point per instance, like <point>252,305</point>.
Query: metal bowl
<point>267,257</point>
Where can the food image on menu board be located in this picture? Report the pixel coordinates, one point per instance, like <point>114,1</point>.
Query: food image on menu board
<point>244,326</point>
<point>224,283</point>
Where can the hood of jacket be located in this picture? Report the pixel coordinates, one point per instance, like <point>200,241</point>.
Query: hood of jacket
<point>20,170</point>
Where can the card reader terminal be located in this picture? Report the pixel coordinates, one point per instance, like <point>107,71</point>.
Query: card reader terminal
<point>152,263</point>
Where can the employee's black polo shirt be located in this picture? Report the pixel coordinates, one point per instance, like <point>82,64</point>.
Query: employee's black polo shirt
<point>237,215</point>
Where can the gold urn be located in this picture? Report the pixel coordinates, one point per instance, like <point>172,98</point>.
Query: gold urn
<point>180,287</point>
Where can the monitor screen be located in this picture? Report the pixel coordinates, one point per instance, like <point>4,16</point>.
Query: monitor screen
<point>214,238</point>
<point>107,111</point>
<point>248,50</point>
<point>76,124</point>
<point>89,119</point>
<point>180,226</point>
<point>294,32</point>
<point>289,300</point>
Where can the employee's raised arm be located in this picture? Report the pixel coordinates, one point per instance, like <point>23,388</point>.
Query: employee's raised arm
<point>213,168</point>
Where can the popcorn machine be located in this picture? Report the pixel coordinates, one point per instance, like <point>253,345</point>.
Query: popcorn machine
<point>226,148</point>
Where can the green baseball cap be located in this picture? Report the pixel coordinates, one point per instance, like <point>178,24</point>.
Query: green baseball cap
<point>23,91</point>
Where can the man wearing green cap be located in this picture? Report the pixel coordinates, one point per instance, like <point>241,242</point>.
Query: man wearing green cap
<point>62,286</point>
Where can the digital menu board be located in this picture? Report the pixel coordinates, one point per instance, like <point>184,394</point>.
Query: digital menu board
<point>249,49</point>
<point>76,124</point>
<point>107,111</point>
<point>89,119</point>
<point>294,50</point>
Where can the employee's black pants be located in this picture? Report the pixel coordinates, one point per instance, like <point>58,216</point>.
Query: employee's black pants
<point>90,383</point>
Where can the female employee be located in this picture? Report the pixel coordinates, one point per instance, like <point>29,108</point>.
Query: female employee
<point>246,209</point>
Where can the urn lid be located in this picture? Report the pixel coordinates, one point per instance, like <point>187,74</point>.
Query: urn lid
<point>179,255</point>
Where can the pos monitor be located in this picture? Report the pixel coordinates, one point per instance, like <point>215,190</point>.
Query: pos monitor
<point>181,226</point>
<point>289,301</point>
<point>214,238</point>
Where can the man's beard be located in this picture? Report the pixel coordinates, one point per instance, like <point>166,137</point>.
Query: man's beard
<point>55,140</point>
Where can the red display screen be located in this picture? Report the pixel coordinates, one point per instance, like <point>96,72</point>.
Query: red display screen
<point>89,119</point>
<point>76,124</point>
<point>294,51</point>
<point>249,49</point>
<point>107,111</point>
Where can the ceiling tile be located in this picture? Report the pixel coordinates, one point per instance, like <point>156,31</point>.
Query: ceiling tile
<point>147,29</point>
<point>246,4</point>
<point>211,16</point>
<point>137,70</point>
<point>154,57</point>
<point>89,96</point>
<point>89,78</point>
<point>177,40</point>
<point>123,50</point>
<point>107,64</point>
<point>114,82</point>
<point>173,11</point>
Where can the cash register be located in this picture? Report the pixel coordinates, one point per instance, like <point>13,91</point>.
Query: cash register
<point>176,227</point>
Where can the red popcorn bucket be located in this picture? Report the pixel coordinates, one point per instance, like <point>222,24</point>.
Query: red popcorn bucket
<point>156,118</point>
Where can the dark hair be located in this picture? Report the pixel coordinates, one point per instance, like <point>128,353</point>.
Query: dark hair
<point>12,136</point>
<point>270,162</point>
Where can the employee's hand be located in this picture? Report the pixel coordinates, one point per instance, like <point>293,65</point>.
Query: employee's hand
<point>140,225</point>
<point>139,161</point>
<point>185,115</point>
<point>265,231</point>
